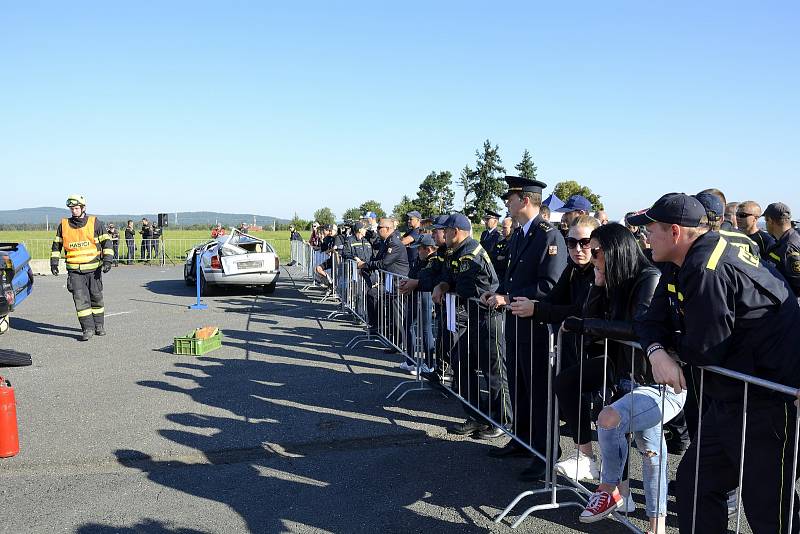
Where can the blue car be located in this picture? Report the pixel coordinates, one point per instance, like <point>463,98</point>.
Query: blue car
<point>16,279</point>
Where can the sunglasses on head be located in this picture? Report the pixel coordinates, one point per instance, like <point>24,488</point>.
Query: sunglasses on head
<point>573,243</point>
<point>596,252</point>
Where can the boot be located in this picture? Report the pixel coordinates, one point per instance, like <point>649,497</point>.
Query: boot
<point>99,329</point>
<point>87,335</point>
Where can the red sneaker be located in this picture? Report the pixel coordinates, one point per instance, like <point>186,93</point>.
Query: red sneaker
<point>601,503</point>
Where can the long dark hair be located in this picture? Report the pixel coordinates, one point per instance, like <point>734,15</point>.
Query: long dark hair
<point>624,258</point>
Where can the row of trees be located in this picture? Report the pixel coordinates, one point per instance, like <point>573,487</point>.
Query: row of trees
<point>481,188</point>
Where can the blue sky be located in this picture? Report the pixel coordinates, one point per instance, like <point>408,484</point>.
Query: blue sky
<point>271,108</point>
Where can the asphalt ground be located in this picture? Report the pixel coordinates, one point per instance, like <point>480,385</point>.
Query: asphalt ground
<point>280,430</point>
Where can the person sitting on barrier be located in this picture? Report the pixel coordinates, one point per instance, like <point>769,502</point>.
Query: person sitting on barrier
<point>392,258</point>
<point>478,349</point>
<point>739,315</point>
<point>567,299</point>
<point>419,308</point>
<point>624,285</point>
<point>426,280</point>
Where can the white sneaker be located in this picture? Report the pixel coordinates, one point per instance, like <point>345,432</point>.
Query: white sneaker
<point>732,501</point>
<point>425,369</point>
<point>405,366</point>
<point>579,466</point>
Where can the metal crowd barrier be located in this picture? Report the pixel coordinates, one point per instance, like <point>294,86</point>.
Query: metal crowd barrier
<point>471,364</point>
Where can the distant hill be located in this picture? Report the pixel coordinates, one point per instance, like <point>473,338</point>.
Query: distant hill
<point>43,214</point>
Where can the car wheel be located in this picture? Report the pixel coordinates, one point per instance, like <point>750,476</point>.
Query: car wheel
<point>4,324</point>
<point>269,288</point>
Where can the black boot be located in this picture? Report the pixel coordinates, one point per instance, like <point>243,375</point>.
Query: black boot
<point>99,329</point>
<point>87,335</point>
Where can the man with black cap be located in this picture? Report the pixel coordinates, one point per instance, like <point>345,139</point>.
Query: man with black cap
<point>537,257</point>
<point>785,253</point>
<point>734,312</point>
<point>491,235</point>
<point>413,225</point>
<point>499,253</point>
<point>478,348</point>
<point>419,308</point>
<point>711,199</point>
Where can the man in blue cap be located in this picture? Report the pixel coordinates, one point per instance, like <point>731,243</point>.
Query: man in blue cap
<point>537,256</point>
<point>478,350</point>
<point>736,312</point>
<point>412,234</point>
<point>491,235</point>
<point>575,206</point>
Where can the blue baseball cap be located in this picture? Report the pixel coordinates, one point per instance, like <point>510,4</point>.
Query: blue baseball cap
<point>440,222</point>
<point>458,221</point>
<point>414,214</point>
<point>370,215</point>
<point>575,203</point>
<point>424,240</point>
<point>713,205</point>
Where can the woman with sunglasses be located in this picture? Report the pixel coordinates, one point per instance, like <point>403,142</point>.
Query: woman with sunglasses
<point>623,288</point>
<point>567,298</point>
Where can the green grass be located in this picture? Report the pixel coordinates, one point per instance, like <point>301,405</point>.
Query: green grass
<point>176,241</point>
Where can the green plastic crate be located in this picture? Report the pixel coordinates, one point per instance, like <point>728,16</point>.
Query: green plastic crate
<point>189,345</point>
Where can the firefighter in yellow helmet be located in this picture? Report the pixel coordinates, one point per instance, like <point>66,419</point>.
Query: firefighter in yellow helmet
<point>88,250</point>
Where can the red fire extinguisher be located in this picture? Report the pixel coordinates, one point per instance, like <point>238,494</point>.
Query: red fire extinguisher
<point>9,435</point>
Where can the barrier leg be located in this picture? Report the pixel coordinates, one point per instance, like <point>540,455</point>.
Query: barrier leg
<point>198,305</point>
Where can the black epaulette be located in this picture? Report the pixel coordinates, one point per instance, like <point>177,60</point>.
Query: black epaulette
<point>546,226</point>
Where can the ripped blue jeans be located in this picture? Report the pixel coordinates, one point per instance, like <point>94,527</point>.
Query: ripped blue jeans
<point>640,413</point>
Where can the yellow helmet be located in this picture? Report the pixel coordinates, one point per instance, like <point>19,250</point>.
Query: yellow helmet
<point>76,200</point>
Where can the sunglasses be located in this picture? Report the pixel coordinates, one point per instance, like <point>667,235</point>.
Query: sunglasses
<point>573,243</point>
<point>596,252</point>
<point>743,215</point>
<point>379,227</point>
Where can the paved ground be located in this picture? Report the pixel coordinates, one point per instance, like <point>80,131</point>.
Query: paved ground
<point>278,431</point>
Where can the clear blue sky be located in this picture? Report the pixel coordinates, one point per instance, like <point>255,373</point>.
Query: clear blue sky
<point>271,108</point>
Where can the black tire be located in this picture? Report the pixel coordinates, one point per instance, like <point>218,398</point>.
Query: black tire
<point>269,289</point>
<point>4,324</point>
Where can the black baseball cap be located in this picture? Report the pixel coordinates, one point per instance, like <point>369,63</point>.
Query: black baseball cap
<point>425,240</point>
<point>672,208</point>
<point>491,215</point>
<point>778,210</point>
<point>522,185</point>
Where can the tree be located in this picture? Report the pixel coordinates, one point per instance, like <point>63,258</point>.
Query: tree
<point>300,224</point>
<point>465,181</point>
<point>324,216</point>
<point>566,189</point>
<point>526,168</point>
<point>486,183</point>
<point>435,196</point>
<point>405,205</point>
<point>353,214</point>
<point>372,205</point>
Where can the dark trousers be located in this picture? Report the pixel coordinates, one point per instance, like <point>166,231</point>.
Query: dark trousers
<point>479,367</point>
<point>768,482</point>
<point>527,354</point>
<point>385,315</point>
<point>144,249</point>
<point>419,330</point>
<point>115,247</point>
<point>154,248</point>
<point>87,292</point>
<point>443,339</point>
<point>571,386</point>
<point>131,244</point>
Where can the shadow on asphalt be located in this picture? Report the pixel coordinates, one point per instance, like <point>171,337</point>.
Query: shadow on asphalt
<point>149,526</point>
<point>47,329</point>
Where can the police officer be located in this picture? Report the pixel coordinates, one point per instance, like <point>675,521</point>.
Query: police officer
<point>499,253</point>
<point>479,338</point>
<point>130,242</point>
<point>84,242</point>
<point>785,253</point>
<point>574,207</point>
<point>113,233</point>
<point>147,236</point>
<point>715,212</point>
<point>156,241</point>
<point>491,235</point>
<point>419,307</point>
<point>370,221</point>
<point>537,257</point>
<point>392,258</point>
<point>412,234</point>
<point>747,215</point>
<point>735,312</point>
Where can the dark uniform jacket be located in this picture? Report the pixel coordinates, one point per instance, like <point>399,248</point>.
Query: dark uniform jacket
<point>489,238</point>
<point>130,233</point>
<point>734,312</point>
<point>785,255</point>
<point>412,252</point>
<point>470,273</point>
<point>499,256</point>
<point>391,257</point>
<point>147,231</point>
<point>536,261</point>
<point>433,272</point>
<point>764,241</point>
